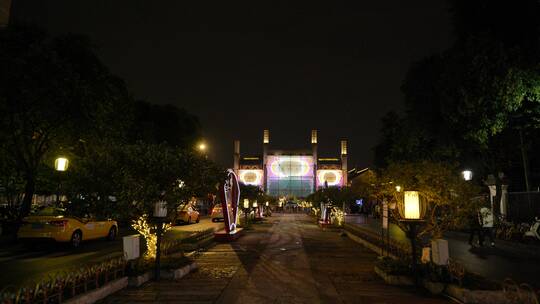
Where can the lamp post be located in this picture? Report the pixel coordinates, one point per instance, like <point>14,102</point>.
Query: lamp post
<point>412,212</point>
<point>246,208</point>
<point>61,165</point>
<point>256,207</point>
<point>160,212</point>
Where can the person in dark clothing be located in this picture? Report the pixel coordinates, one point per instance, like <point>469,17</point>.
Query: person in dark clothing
<point>475,228</point>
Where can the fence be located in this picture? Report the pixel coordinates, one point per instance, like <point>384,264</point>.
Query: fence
<point>523,206</point>
<point>64,285</point>
<point>396,248</point>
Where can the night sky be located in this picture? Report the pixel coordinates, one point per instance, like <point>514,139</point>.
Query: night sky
<point>242,67</point>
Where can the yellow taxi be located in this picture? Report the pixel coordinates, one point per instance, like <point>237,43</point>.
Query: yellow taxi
<point>217,213</point>
<point>188,214</point>
<point>54,224</point>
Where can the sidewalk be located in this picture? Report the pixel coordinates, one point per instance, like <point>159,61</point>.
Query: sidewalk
<point>519,262</point>
<point>287,259</point>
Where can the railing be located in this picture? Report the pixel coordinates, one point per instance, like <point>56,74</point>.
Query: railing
<point>175,246</point>
<point>67,284</point>
<point>394,247</point>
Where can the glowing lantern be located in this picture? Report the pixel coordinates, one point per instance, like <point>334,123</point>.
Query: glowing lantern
<point>61,164</point>
<point>411,202</point>
<point>246,203</point>
<point>467,175</point>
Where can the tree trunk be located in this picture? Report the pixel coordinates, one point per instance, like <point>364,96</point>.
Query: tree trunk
<point>29,190</point>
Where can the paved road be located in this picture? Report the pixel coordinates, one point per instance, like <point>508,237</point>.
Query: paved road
<point>25,265</point>
<point>507,260</point>
<point>287,259</point>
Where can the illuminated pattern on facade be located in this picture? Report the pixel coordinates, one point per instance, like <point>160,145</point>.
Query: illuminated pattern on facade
<point>290,175</point>
<point>332,177</point>
<point>251,176</point>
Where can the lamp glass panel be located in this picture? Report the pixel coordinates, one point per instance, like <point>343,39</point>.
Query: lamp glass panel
<point>412,205</point>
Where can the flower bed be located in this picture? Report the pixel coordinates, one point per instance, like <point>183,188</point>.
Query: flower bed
<point>64,285</point>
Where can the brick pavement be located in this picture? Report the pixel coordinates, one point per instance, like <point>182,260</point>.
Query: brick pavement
<point>288,259</point>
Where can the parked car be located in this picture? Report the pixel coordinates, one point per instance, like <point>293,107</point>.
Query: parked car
<point>217,213</point>
<point>188,215</point>
<point>53,223</point>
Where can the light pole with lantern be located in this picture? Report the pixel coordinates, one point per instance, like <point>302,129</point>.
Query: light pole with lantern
<point>246,208</point>
<point>256,207</point>
<point>61,165</point>
<point>412,212</point>
<point>160,212</point>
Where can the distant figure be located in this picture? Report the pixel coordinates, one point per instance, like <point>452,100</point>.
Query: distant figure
<point>487,224</point>
<point>475,228</point>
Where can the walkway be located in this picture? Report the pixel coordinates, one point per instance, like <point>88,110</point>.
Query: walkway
<point>507,260</point>
<point>288,259</point>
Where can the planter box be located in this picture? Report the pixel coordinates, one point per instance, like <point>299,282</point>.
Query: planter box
<point>137,281</point>
<point>390,279</point>
<point>479,296</point>
<point>100,293</point>
<point>178,273</point>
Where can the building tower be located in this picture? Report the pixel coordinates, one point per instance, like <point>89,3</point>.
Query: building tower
<point>236,165</point>
<point>315,156</point>
<point>266,142</point>
<point>344,169</point>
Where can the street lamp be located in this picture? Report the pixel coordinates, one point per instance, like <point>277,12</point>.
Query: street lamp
<point>398,188</point>
<point>467,175</point>
<point>246,207</point>
<point>160,212</point>
<point>412,213</point>
<point>61,165</point>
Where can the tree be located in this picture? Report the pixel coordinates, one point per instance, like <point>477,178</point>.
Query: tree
<point>448,197</point>
<point>462,104</point>
<point>54,92</point>
<point>164,124</point>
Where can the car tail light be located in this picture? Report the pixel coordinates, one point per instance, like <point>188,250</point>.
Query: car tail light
<point>61,223</point>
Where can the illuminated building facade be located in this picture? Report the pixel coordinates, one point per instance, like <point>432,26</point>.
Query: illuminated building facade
<point>295,173</point>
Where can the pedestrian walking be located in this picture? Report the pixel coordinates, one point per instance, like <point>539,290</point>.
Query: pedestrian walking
<point>475,228</point>
<point>487,224</point>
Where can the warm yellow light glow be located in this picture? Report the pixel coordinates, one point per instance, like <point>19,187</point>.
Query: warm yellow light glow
<point>202,146</point>
<point>61,164</point>
<point>149,233</point>
<point>266,137</point>
<point>412,205</point>
<point>343,147</point>
<point>398,188</point>
<point>266,204</point>
<point>313,136</point>
<point>246,203</point>
<point>255,204</point>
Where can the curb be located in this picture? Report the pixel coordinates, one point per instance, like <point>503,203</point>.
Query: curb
<point>100,293</point>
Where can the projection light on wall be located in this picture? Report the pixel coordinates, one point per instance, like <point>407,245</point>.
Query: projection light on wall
<point>287,166</point>
<point>332,177</point>
<point>251,177</point>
